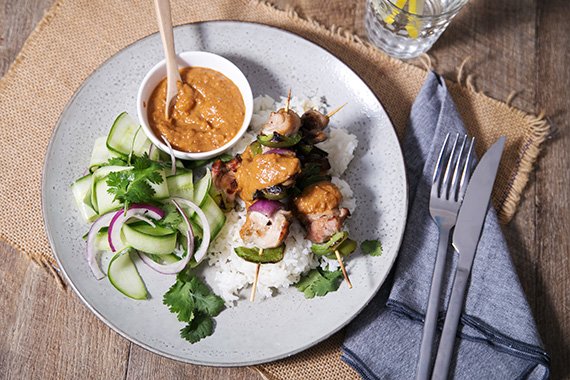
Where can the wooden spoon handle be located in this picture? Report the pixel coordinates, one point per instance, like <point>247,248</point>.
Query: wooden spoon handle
<point>165,26</point>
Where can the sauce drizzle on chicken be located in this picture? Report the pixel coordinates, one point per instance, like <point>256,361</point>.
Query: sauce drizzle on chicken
<point>318,208</point>
<point>262,171</point>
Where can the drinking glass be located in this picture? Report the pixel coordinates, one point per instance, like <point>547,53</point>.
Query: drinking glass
<point>407,28</point>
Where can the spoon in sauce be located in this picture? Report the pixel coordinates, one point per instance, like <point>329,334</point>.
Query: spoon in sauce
<point>172,74</point>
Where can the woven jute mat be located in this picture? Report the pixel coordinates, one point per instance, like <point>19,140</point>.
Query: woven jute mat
<point>76,36</point>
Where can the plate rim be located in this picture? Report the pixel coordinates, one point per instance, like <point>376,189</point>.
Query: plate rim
<point>61,269</point>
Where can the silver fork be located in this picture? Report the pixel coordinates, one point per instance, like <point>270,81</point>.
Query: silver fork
<point>450,178</point>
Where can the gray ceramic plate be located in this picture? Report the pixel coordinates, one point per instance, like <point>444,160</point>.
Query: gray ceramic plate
<point>274,61</point>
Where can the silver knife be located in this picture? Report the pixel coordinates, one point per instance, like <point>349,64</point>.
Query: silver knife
<point>465,239</point>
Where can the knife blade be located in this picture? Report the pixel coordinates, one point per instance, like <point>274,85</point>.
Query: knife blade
<point>465,239</point>
<point>475,203</point>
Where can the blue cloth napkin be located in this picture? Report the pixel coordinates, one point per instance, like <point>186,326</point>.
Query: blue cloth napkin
<point>498,338</point>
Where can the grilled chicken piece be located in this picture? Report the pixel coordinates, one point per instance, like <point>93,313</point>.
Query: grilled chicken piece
<point>224,179</point>
<point>318,208</point>
<point>313,124</point>
<point>265,232</point>
<point>286,123</point>
<point>321,227</point>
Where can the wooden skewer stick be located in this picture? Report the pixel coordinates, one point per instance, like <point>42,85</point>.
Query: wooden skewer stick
<point>339,259</point>
<point>288,103</point>
<point>330,114</point>
<point>254,286</point>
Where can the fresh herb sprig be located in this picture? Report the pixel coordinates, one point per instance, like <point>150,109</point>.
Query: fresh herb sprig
<point>319,282</point>
<point>134,186</point>
<point>371,247</point>
<point>195,304</point>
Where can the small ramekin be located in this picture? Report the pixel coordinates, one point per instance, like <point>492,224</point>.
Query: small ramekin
<point>197,59</point>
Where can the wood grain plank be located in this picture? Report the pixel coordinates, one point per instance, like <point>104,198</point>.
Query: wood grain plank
<point>146,365</point>
<point>45,332</point>
<point>553,187</point>
<point>18,18</point>
<point>499,38</point>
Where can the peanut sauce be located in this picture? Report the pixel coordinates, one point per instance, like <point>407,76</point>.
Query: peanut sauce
<point>207,113</point>
<point>263,170</point>
<point>318,198</point>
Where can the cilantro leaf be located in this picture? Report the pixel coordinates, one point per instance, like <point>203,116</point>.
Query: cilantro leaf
<point>319,282</point>
<point>194,303</point>
<point>201,327</point>
<point>172,218</point>
<point>371,247</point>
<point>210,304</point>
<point>133,186</point>
<point>116,161</point>
<point>179,301</point>
<point>205,301</point>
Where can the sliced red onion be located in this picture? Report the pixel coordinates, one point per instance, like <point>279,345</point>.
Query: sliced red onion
<point>121,217</point>
<point>102,221</point>
<point>280,151</point>
<point>176,267</point>
<point>203,249</point>
<point>172,156</point>
<point>266,207</point>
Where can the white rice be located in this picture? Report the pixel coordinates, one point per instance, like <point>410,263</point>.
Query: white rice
<point>231,274</point>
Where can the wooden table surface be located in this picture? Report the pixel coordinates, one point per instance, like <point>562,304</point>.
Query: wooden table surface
<point>514,45</point>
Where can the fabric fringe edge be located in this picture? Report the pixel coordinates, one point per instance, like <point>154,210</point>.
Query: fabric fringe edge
<point>47,263</point>
<point>540,128</point>
<point>30,41</point>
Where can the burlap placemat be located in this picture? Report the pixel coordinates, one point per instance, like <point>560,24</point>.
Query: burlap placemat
<point>77,36</point>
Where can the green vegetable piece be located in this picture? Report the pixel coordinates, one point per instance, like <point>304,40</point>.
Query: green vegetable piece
<point>180,301</point>
<point>147,229</point>
<point>305,148</point>
<point>345,249</point>
<point>172,218</point>
<point>268,256</point>
<point>116,161</point>
<point>200,327</point>
<point>255,148</point>
<point>193,302</point>
<point>278,141</point>
<point>371,247</point>
<point>133,186</point>
<point>319,282</point>
<point>330,246</point>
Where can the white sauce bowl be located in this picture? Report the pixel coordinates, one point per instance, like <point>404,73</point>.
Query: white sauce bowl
<point>197,59</point>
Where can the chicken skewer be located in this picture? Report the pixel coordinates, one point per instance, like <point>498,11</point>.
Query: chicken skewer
<point>266,226</point>
<point>267,229</point>
<point>318,207</point>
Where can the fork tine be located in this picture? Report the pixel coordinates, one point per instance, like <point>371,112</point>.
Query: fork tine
<point>454,180</point>
<point>466,171</point>
<point>445,184</point>
<point>436,170</point>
